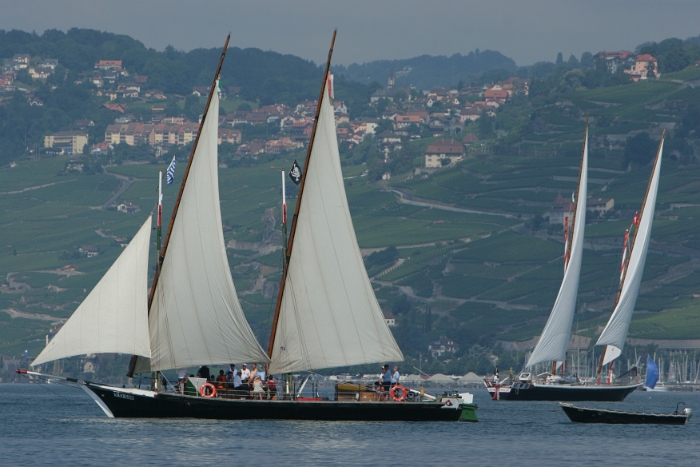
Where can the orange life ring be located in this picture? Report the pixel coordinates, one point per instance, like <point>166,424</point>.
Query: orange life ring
<point>404,393</point>
<point>207,385</point>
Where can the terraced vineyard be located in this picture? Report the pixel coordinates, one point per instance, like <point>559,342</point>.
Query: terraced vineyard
<point>467,248</point>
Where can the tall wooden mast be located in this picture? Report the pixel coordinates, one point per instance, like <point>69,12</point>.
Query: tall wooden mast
<point>161,257</point>
<point>293,229</point>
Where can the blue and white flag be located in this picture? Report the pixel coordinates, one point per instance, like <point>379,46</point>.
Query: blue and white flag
<point>171,172</point>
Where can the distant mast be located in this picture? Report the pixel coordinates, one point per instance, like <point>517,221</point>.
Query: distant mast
<point>284,224</point>
<point>159,222</point>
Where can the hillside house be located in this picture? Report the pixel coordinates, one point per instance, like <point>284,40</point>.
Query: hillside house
<point>132,134</point>
<point>109,65</point>
<point>40,72</point>
<point>495,95</point>
<point>403,121</point>
<point>128,208</point>
<point>441,346</point>
<point>89,250</point>
<point>562,209</point>
<point>277,146</point>
<point>70,142</point>
<point>616,60</point>
<point>229,135</point>
<point>200,91</point>
<point>252,148</point>
<point>389,319</point>
<point>443,149</point>
<point>645,66</point>
<point>600,205</point>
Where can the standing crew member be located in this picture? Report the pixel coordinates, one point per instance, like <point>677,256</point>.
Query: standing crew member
<point>386,378</point>
<point>395,376</point>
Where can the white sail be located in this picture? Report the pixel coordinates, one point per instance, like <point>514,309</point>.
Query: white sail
<point>557,332</point>
<point>113,318</point>
<point>615,331</point>
<point>195,316</point>
<point>329,316</point>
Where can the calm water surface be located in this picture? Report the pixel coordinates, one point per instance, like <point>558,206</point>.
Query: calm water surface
<point>59,425</point>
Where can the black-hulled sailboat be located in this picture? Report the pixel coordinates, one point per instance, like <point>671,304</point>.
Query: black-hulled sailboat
<point>555,337</point>
<point>326,316</point>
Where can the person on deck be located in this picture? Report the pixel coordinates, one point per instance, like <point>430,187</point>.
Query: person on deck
<point>258,390</point>
<point>181,379</point>
<point>395,376</point>
<point>237,382</point>
<point>245,373</point>
<point>203,372</point>
<point>386,378</point>
<point>221,380</point>
<point>271,388</point>
<point>253,373</point>
<point>230,375</point>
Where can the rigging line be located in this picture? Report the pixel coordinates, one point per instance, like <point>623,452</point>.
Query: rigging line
<point>45,386</point>
<point>426,374</point>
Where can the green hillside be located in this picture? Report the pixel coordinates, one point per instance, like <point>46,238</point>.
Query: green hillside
<point>465,251</point>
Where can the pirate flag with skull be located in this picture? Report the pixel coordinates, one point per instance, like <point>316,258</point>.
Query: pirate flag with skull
<point>295,172</point>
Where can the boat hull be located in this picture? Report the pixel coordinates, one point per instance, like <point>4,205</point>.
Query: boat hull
<point>565,393</point>
<point>589,415</point>
<point>146,404</point>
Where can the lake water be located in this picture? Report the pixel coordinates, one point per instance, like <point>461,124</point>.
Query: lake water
<point>52,424</point>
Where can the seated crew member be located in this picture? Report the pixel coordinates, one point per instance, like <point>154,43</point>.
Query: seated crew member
<point>237,382</point>
<point>245,373</point>
<point>221,380</point>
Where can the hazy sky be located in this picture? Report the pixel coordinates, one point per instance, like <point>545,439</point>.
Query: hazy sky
<point>527,31</point>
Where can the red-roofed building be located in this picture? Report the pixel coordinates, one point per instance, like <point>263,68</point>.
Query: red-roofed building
<point>442,150</point>
<point>402,121</point>
<point>498,96</point>
<point>645,66</point>
<point>561,210</point>
<point>108,64</point>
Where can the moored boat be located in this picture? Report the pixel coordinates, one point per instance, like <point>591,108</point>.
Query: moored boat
<point>590,415</point>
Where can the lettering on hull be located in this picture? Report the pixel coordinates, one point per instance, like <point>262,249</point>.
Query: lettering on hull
<point>123,396</point>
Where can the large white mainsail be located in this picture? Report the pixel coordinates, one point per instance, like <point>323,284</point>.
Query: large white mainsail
<point>329,316</point>
<point>113,318</point>
<point>557,332</point>
<point>195,317</point>
<point>615,332</point>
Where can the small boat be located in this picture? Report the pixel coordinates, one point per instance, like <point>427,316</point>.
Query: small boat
<point>589,415</point>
